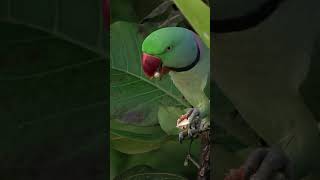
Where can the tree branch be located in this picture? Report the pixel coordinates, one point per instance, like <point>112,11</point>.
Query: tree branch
<point>204,170</point>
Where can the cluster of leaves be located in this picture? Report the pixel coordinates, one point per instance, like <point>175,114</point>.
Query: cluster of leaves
<point>144,111</point>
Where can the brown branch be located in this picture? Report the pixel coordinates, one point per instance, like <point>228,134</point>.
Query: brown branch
<point>204,170</point>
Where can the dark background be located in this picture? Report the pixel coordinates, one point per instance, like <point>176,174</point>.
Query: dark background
<point>53,90</point>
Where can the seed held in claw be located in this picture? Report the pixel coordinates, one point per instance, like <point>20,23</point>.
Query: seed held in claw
<point>183,124</point>
<point>156,75</point>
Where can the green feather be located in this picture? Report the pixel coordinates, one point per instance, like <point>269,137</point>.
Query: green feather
<point>182,46</point>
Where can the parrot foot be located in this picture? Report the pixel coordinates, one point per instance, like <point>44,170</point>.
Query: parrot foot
<point>264,164</point>
<point>189,133</point>
<point>181,137</point>
<point>191,119</point>
<point>187,123</point>
<point>191,124</point>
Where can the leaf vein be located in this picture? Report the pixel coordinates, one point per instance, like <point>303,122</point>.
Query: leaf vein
<point>125,83</point>
<point>137,95</point>
<point>155,85</point>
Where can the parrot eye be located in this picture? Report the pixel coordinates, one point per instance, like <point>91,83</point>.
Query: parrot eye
<point>169,48</point>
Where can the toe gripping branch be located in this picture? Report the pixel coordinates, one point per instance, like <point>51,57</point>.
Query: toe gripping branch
<point>194,127</point>
<point>191,124</point>
<point>204,160</point>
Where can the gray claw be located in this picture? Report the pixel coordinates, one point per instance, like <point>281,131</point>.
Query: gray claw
<point>194,126</point>
<point>181,137</point>
<point>190,134</point>
<point>194,116</point>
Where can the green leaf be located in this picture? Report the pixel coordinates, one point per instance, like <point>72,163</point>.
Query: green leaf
<point>132,139</point>
<point>198,14</point>
<point>160,10</point>
<point>116,158</point>
<point>122,10</point>
<point>150,133</point>
<point>169,158</point>
<point>53,94</point>
<point>131,11</point>
<point>143,172</point>
<point>134,98</point>
<point>168,117</point>
<point>129,146</point>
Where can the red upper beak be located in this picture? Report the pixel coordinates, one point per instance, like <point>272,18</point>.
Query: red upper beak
<point>150,64</point>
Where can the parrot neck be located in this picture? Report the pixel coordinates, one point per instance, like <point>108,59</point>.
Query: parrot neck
<point>190,66</point>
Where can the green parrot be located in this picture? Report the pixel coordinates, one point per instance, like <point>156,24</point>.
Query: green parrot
<point>180,53</point>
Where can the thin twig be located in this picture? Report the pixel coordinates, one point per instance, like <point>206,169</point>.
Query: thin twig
<point>204,171</point>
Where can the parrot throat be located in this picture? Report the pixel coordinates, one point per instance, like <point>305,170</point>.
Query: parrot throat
<point>190,66</point>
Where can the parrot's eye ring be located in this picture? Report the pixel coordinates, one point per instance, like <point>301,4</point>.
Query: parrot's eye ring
<point>169,48</point>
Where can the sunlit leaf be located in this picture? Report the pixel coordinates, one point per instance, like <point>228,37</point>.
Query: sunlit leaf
<point>198,14</point>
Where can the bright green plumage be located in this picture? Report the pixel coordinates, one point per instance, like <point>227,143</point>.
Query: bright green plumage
<point>177,47</point>
<point>180,40</point>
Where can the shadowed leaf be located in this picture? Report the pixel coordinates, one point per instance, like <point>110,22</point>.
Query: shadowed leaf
<point>132,139</point>
<point>161,9</point>
<point>143,172</point>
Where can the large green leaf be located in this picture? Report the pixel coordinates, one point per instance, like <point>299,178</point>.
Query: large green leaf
<point>198,14</point>
<point>143,172</point>
<point>132,146</point>
<point>131,139</point>
<point>134,98</point>
<point>168,158</point>
<point>150,133</point>
<point>168,118</point>
<point>117,160</point>
<point>53,89</point>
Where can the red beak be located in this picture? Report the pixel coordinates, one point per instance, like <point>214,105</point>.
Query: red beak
<point>150,64</point>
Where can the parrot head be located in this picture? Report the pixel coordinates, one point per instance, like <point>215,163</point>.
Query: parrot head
<point>169,49</point>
